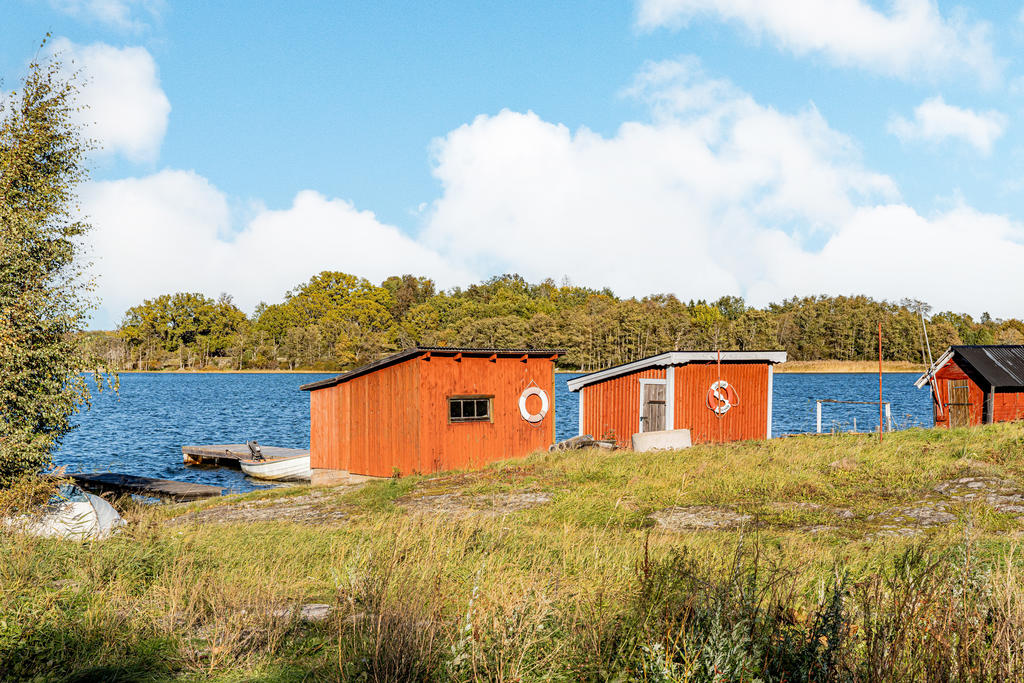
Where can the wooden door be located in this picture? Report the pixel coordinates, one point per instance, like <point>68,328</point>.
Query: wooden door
<point>959,403</point>
<point>652,417</point>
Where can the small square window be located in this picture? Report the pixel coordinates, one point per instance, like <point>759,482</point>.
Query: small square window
<point>469,409</point>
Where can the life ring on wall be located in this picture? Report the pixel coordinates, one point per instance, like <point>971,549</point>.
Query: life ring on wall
<point>721,397</point>
<point>544,404</point>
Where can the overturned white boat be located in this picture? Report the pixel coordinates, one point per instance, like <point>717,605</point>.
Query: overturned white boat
<point>287,468</point>
<point>71,513</point>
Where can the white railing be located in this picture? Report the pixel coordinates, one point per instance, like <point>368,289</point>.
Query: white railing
<point>886,404</point>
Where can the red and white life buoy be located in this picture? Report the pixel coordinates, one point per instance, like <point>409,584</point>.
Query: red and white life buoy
<point>721,397</point>
<point>544,405</point>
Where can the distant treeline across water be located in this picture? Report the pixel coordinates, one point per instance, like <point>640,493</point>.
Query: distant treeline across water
<point>337,321</point>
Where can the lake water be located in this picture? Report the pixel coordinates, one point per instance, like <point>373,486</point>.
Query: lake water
<point>141,429</point>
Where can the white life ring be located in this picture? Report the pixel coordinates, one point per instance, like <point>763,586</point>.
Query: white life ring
<point>721,397</point>
<point>527,393</point>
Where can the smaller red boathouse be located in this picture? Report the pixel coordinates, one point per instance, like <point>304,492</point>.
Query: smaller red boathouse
<point>718,396</point>
<point>433,409</point>
<point>973,385</point>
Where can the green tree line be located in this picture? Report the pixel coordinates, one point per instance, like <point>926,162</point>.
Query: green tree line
<point>337,321</point>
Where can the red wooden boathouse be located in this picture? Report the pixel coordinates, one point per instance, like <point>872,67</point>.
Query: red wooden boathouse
<point>973,385</point>
<point>718,396</point>
<point>433,409</point>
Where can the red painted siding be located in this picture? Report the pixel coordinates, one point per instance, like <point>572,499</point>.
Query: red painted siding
<point>383,420</point>
<point>1009,406</point>
<point>396,417</point>
<point>327,435</point>
<point>748,419</point>
<point>471,445</point>
<point>951,371</point>
<point>611,409</point>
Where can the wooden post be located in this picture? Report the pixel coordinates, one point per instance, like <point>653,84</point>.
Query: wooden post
<point>721,435</point>
<point>888,415</point>
<point>881,424</point>
<point>819,415</point>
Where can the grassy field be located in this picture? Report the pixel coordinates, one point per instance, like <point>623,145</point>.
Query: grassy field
<point>806,558</point>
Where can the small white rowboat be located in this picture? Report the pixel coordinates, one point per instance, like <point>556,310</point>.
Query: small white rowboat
<point>291,468</point>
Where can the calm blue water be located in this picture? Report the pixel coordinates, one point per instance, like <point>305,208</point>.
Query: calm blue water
<point>141,430</point>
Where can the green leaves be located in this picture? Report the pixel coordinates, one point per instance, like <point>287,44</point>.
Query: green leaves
<point>183,319</point>
<point>41,283</point>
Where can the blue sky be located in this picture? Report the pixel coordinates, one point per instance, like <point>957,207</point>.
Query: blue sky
<point>702,147</point>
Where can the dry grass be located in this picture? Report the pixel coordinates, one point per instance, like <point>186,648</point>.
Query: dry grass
<point>848,366</point>
<point>583,587</point>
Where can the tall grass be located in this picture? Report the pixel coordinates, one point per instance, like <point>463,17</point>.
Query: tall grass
<point>464,602</point>
<point>579,589</point>
<point>929,613</point>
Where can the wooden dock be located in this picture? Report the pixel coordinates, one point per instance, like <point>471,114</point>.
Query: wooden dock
<point>101,482</point>
<point>229,454</point>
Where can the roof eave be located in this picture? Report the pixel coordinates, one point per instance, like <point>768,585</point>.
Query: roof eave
<point>936,366</point>
<point>402,356</point>
<point>676,358</point>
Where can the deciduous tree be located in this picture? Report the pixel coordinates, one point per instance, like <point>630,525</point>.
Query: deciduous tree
<point>42,281</point>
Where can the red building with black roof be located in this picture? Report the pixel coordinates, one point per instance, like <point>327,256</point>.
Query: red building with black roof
<point>973,385</point>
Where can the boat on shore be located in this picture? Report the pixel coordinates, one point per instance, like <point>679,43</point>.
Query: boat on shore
<point>288,468</point>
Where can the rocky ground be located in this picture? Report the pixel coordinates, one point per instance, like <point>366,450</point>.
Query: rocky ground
<point>945,504</point>
<point>318,506</point>
<point>457,504</point>
<point>325,506</point>
<point>694,517</point>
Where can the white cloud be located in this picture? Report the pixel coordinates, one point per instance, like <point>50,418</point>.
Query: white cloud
<point>172,231</point>
<point>718,195</point>
<point>125,108</point>
<point>891,251</point>
<point>120,14</point>
<point>936,121</point>
<point>675,205</point>
<point>911,40</point>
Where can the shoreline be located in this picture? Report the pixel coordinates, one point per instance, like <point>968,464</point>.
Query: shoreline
<point>216,371</point>
<point>847,366</point>
<point>789,367</point>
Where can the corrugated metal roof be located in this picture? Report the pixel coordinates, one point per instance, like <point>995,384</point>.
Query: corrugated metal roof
<point>677,358</point>
<point>417,350</point>
<point>1001,366</point>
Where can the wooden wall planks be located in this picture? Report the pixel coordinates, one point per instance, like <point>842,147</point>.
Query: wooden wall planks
<point>611,409</point>
<point>1009,406</point>
<point>471,445</point>
<point>395,419</point>
<point>747,419</point>
<point>951,372</point>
